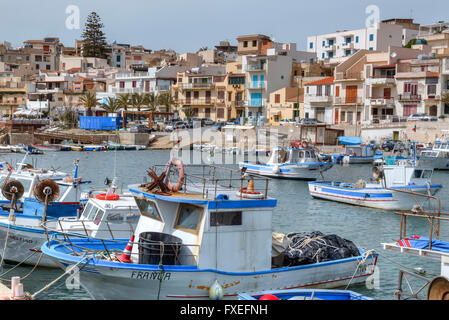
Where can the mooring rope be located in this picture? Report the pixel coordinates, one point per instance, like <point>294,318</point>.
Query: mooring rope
<point>365,256</point>
<point>23,261</point>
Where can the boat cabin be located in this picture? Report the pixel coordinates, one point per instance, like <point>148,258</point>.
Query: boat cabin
<point>362,150</point>
<point>219,229</point>
<point>406,174</point>
<point>292,155</point>
<point>106,219</point>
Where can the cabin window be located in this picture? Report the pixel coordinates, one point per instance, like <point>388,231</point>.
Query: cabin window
<point>427,174</point>
<point>87,210</point>
<point>188,218</point>
<point>148,209</point>
<point>417,173</point>
<point>92,213</point>
<point>98,217</point>
<point>225,218</point>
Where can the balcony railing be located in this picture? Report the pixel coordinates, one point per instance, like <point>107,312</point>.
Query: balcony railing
<point>381,100</point>
<point>253,67</point>
<point>318,99</point>
<point>409,97</point>
<point>348,100</point>
<point>238,103</point>
<point>127,90</point>
<point>200,101</point>
<point>198,85</point>
<point>349,75</point>
<point>255,85</point>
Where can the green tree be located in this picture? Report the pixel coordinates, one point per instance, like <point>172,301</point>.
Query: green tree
<point>189,112</point>
<point>112,105</point>
<point>124,100</point>
<point>151,100</point>
<point>94,39</point>
<point>89,101</point>
<point>138,100</point>
<point>167,100</point>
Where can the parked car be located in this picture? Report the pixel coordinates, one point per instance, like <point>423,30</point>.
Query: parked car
<point>284,122</point>
<point>389,145</point>
<point>420,117</point>
<point>179,125</point>
<point>140,129</point>
<point>169,127</point>
<point>308,121</point>
<point>218,126</point>
<point>208,122</point>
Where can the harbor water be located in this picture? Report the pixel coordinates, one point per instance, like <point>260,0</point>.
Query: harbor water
<point>297,211</point>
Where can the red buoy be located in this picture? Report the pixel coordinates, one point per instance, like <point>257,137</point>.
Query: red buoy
<point>102,196</point>
<point>268,297</point>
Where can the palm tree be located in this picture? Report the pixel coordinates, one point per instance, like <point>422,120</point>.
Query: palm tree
<point>112,105</point>
<point>167,100</point>
<point>89,101</point>
<point>124,100</point>
<point>151,100</point>
<point>189,112</point>
<point>138,100</point>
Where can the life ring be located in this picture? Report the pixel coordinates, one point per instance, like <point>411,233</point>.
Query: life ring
<point>244,193</point>
<point>102,196</point>
<point>178,163</point>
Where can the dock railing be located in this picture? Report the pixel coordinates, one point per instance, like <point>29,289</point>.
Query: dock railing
<point>212,180</point>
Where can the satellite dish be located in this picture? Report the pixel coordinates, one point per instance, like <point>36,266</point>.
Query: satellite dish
<point>394,55</point>
<point>438,289</point>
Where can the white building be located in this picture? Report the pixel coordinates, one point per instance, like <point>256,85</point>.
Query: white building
<point>344,43</point>
<point>318,100</point>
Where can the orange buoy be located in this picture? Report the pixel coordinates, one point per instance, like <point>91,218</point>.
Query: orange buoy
<point>268,297</point>
<point>102,196</point>
<point>125,257</point>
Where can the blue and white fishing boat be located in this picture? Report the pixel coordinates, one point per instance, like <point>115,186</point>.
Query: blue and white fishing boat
<point>304,294</point>
<point>356,152</point>
<point>437,157</point>
<point>298,162</point>
<point>381,194</point>
<point>22,233</point>
<point>201,238</point>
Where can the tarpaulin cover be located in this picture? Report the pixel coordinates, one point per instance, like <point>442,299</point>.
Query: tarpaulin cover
<point>351,141</point>
<point>418,242</point>
<point>313,247</point>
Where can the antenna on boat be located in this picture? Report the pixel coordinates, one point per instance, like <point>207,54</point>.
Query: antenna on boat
<point>21,164</point>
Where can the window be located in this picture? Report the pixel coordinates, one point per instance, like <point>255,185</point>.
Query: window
<point>277,98</point>
<point>331,54</point>
<point>188,218</point>
<point>319,91</point>
<point>371,48</point>
<point>371,37</point>
<point>221,95</point>
<point>229,95</point>
<point>337,91</point>
<point>254,43</point>
<point>230,218</point>
<point>236,80</point>
<point>134,84</point>
<point>98,217</point>
<point>324,43</point>
<point>122,84</point>
<point>118,58</point>
<point>245,44</point>
<point>347,52</point>
<point>196,94</point>
<point>323,55</point>
<point>47,67</point>
<point>431,89</point>
<point>311,45</point>
<point>348,40</point>
<point>356,39</point>
<point>148,209</point>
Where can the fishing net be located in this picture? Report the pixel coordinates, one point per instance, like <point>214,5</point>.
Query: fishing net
<point>313,247</point>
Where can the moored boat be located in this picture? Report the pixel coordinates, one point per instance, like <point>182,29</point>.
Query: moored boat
<point>193,237</point>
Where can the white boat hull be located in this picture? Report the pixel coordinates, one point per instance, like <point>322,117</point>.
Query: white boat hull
<point>378,198</point>
<point>297,171</point>
<point>437,163</point>
<point>139,284</point>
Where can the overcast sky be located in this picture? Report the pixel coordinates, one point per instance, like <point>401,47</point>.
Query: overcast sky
<point>185,25</point>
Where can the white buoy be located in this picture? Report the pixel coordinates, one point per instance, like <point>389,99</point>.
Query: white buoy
<point>276,169</point>
<point>216,291</point>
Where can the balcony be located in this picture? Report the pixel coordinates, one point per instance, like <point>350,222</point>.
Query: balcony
<point>255,67</point>
<point>127,90</point>
<point>198,102</point>
<point>255,85</point>
<point>198,85</point>
<point>409,98</point>
<point>348,100</point>
<point>381,80</point>
<point>238,104</point>
<point>137,75</point>
<point>381,101</point>
<point>318,99</point>
<point>330,47</point>
<point>353,75</point>
<point>347,46</point>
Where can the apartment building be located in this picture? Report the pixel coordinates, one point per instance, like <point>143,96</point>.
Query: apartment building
<point>235,91</point>
<point>256,44</point>
<point>285,103</point>
<point>47,92</point>
<point>13,93</point>
<point>318,100</point>
<point>345,43</point>
<point>155,80</point>
<point>81,64</point>
<point>44,54</point>
<point>202,90</point>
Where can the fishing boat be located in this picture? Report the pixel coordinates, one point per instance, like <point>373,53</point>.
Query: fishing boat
<point>298,162</point>
<point>304,294</point>
<point>431,247</point>
<point>91,147</point>
<point>47,147</point>
<point>107,215</point>
<point>382,192</point>
<point>356,152</point>
<point>198,238</point>
<point>438,156</point>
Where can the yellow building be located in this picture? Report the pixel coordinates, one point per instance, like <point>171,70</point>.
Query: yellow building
<point>283,105</point>
<point>13,92</point>
<point>203,90</point>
